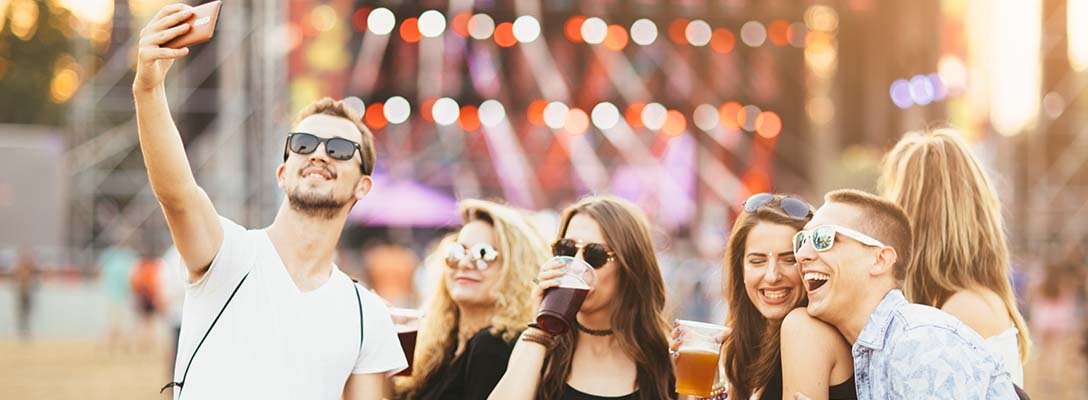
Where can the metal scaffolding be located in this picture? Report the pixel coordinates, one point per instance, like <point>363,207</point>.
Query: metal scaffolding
<point>228,98</point>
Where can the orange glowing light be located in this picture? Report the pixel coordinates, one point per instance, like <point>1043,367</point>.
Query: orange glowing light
<point>779,32</point>
<point>504,35</point>
<point>633,115</point>
<point>577,122</point>
<point>730,115</point>
<point>409,30</point>
<point>536,112</point>
<point>358,19</point>
<point>469,119</point>
<point>573,28</point>
<point>675,123</point>
<point>375,116</point>
<point>768,124</point>
<point>722,40</point>
<point>677,31</point>
<point>427,109</point>
<point>616,38</point>
<point>460,24</point>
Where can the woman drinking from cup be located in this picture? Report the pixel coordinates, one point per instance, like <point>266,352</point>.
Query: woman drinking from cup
<point>481,304</point>
<point>615,345</point>
<point>775,348</point>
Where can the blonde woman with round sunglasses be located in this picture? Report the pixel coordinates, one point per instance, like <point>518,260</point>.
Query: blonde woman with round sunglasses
<point>961,261</point>
<point>483,299</point>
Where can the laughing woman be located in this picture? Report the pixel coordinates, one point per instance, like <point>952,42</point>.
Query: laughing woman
<point>619,349</point>
<point>775,348</point>
<point>481,304</point>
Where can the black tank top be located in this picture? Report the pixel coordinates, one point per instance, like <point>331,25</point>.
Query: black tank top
<point>842,391</point>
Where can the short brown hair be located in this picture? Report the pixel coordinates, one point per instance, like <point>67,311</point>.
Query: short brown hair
<point>339,108</point>
<point>883,220</point>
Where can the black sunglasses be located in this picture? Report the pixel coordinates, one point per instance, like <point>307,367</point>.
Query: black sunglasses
<point>793,207</point>
<point>336,147</point>
<point>595,254</point>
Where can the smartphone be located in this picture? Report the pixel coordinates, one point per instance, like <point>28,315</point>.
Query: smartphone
<point>202,22</point>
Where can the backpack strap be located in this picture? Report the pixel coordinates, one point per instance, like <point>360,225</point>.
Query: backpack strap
<point>181,385</point>
<point>359,300</point>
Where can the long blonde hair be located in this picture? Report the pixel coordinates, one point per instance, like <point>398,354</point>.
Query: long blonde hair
<point>638,310</point>
<point>959,232</point>
<point>522,249</point>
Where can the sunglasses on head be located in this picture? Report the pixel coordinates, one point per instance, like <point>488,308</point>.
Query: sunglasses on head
<point>823,237</point>
<point>793,207</point>
<point>336,147</point>
<point>481,254</point>
<point>595,254</point>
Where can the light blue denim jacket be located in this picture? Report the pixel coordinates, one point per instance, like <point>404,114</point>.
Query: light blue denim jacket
<point>916,352</point>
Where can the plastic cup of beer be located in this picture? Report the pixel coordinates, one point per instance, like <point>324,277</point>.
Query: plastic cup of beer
<point>697,362</point>
<point>560,305</point>
<point>406,321</point>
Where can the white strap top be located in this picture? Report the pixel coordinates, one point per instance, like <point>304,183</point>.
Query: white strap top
<point>1005,346</point>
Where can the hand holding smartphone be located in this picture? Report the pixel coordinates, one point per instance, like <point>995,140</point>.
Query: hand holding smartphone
<point>202,26</point>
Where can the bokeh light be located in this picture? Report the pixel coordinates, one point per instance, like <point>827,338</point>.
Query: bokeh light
<point>469,118</point>
<point>729,114</point>
<point>397,110</point>
<point>900,93</point>
<point>445,111</point>
<point>616,38</point>
<point>504,35</point>
<point>380,21</point>
<point>323,18</point>
<point>375,116</point>
<point>678,31</point>
<point>594,30</point>
<point>921,90</point>
<point>481,26</point>
<point>952,72</point>
<point>675,123</point>
<point>698,33</point>
<point>358,19</point>
<point>605,115</point>
<point>722,40</point>
<point>1077,33</point>
<point>409,30</point>
<point>577,122</point>
<point>555,114</point>
<point>753,34</point>
<point>822,17</point>
<point>778,32</point>
<point>426,110</point>
<point>643,32</point>
<point>633,114</point>
<point>747,117</point>
<point>705,117</point>
<point>526,29</point>
<point>432,23</point>
<point>797,33</point>
<point>653,116</point>
<point>535,113</point>
<point>492,113</point>
<point>768,124</point>
<point>459,24</point>
<point>572,29</point>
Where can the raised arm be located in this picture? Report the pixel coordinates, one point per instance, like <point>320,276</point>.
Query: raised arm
<point>194,223</point>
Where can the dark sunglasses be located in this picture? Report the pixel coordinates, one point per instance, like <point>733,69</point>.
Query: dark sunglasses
<point>793,207</point>
<point>595,254</point>
<point>336,147</point>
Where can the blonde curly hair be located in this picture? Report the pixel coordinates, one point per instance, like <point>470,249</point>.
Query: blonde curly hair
<point>522,250</point>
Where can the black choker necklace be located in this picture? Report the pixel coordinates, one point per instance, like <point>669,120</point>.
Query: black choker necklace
<point>594,332</point>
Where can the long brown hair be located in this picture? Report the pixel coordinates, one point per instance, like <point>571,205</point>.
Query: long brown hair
<point>959,232</point>
<point>522,248</point>
<point>753,349</point>
<point>638,311</point>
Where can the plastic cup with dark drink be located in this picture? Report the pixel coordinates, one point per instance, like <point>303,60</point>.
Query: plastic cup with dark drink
<point>561,304</point>
<point>406,321</point>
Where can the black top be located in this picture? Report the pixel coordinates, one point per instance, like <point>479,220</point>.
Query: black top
<point>474,374</point>
<point>842,391</point>
<point>570,393</point>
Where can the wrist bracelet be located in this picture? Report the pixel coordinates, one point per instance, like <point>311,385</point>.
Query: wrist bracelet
<point>547,342</point>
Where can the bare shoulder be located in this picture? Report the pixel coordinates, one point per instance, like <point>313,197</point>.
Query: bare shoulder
<point>981,309</point>
<point>801,328</point>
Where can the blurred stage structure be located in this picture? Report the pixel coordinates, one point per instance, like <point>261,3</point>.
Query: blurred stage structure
<point>684,106</point>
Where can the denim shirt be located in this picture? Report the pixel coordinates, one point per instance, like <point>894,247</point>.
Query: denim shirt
<point>916,352</point>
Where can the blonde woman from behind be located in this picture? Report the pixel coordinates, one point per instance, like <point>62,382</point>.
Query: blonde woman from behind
<point>960,261</point>
<point>482,303</point>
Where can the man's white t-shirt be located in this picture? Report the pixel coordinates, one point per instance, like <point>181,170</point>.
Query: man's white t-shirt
<point>274,341</point>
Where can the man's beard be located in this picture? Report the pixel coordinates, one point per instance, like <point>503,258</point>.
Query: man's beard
<point>315,205</point>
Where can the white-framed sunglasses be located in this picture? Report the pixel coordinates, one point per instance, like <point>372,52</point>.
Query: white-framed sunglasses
<point>823,237</point>
<point>480,254</point>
